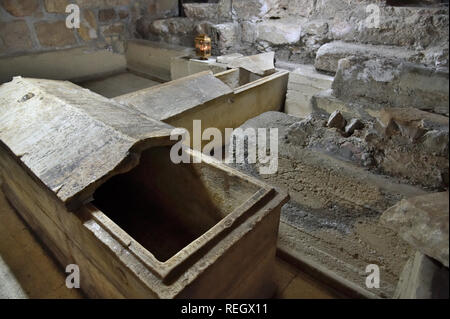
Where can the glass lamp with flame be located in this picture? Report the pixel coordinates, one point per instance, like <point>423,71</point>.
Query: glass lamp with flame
<point>203,46</point>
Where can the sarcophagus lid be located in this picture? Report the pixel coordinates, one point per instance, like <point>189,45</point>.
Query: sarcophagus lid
<point>72,139</point>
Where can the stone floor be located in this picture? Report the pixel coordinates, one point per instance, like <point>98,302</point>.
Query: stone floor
<point>118,84</point>
<point>27,270</point>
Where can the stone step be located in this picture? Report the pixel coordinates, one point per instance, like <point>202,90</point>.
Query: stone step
<point>304,82</point>
<point>308,75</point>
<point>329,54</point>
<point>392,82</point>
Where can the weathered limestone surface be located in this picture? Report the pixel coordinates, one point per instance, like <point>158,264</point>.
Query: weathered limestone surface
<point>56,6</point>
<point>252,9</point>
<point>181,67</point>
<point>172,98</point>
<point>224,100</point>
<point>261,64</point>
<point>413,144</point>
<point>154,58</point>
<point>414,124</point>
<point>278,32</point>
<point>325,101</point>
<point>423,278</point>
<point>202,11</point>
<point>225,59</point>
<point>21,8</point>
<point>392,82</point>
<point>329,54</point>
<point>423,221</point>
<point>304,83</point>
<point>67,170</point>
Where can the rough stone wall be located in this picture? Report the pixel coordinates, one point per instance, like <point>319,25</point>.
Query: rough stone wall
<point>296,29</point>
<point>39,25</point>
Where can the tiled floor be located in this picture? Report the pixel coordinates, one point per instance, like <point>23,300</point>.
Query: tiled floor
<point>27,271</point>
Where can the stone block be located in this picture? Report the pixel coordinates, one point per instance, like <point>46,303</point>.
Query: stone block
<point>154,58</point>
<point>202,11</point>
<point>336,120</point>
<point>304,83</point>
<point>307,75</point>
<point>392,82</point>
<point>423,221</point>
<point>252,9</point>
<point>279,32</point>
<point>324,101</point>
<point>56,6</point>
<point>414,27</point>
<point>226,36</point>
<point>54,34</point>
<point>15,36</point>
<point>178,25</point>
<point>412,123</point>
<point>21,8</point>
<point>105,15</point>
<point>181,67</point>
<point>261,64</point>
<point>329,54</point>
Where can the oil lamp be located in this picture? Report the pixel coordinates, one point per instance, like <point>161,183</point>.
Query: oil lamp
<point>203,46</point>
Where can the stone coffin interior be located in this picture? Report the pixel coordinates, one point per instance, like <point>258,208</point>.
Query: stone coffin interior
<point>166,206</point>
<point>236,78</point>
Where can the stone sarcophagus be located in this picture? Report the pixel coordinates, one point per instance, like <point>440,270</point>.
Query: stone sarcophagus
<point>95,182</point>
